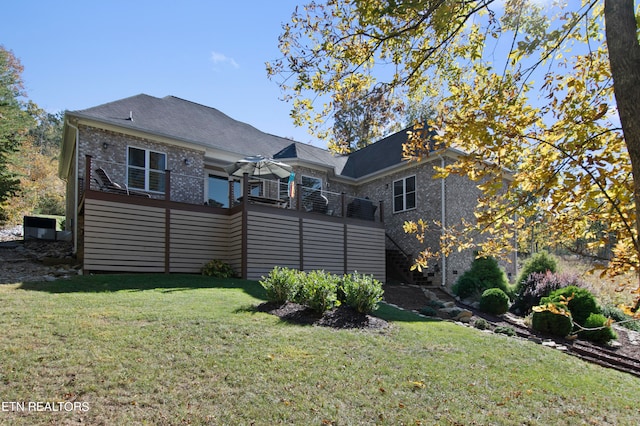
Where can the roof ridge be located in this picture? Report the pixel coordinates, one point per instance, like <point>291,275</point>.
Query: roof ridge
<point>116,101</point>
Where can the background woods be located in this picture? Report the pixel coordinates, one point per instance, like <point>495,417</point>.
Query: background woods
<point>29,144</point>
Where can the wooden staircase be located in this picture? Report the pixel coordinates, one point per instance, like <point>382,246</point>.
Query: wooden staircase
<point>399,269</point>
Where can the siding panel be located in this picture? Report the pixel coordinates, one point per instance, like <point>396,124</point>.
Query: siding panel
<point>272,240</point>
<point>323,246</point>
<point>114,239</point>
<point>122,237</point>
<point>195,239</point>
<point>366,251</point>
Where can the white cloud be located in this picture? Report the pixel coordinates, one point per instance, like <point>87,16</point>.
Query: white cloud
<point>219,58</point>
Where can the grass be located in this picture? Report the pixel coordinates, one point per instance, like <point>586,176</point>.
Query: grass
<point>158,349</point>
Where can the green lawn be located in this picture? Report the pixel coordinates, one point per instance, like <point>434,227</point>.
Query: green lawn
<point>158,349</point>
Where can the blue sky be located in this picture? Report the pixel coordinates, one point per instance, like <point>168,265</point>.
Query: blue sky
<point>79,54</point>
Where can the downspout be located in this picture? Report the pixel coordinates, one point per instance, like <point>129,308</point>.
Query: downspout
<point>75,191</point>
<point>443,216</point>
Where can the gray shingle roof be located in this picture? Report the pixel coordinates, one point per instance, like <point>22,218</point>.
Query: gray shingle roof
<point>188,121</point>
<point>184,120</point>
<point>312,154</point>
<point>386,152</point>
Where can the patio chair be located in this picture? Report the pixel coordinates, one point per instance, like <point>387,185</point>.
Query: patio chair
<point>106,184</point>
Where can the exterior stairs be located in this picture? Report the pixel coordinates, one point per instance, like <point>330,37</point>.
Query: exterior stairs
<point>399,269</point>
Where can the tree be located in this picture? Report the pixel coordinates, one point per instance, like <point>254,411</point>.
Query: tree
<point>358,119</point>
<point>14,122</point>
<point>536,90</point>
<point>46,133</point>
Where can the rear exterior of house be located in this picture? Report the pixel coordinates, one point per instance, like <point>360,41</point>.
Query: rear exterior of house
<point>175,152</point>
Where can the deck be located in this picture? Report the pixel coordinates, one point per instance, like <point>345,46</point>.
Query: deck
<point>125,233</point>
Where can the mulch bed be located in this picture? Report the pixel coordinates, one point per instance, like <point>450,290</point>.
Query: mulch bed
<point>343,317</point>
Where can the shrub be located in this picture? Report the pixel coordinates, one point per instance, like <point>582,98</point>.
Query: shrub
<point>319,291</point>
<point>494,301</point>
<point>361,292</point>
<point>597,329</point>
<point>581,302</point>
<point>282,284</point>
<point>484,273</point>
<point>218,269</point>
<point>435,304</point>
<point>503,329</point>
<point>481,324</point>
<point>538,285</point>
<point>429,311</point>
<point>466,286</point>
<point>553,318</point>
<point>620,317</point>
<point>540,262</point>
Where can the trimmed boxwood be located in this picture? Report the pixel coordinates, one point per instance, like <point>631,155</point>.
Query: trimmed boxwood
<point>552,319</point>
<point>597,329</point>
<point>494,301</point>
<point>581,302</point>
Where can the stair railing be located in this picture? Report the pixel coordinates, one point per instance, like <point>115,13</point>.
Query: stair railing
<point>396,245</point>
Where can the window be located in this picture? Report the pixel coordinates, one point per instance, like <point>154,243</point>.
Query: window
<point>218,191</point>
<point>145,169</point>
<point>404,194</point>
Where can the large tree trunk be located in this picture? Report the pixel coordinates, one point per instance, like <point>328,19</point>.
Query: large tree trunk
<point>624,57</point>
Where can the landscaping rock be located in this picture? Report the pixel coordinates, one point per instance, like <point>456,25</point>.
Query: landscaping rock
<point>35,260</point>
<point>464,316</point>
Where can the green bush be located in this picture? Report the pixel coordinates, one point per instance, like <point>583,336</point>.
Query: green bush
<point>540,262</point>
<point>319,291</point>
<point>494,301</point>
<point>481,324</point>
<point>484,273</point>
<point>282,284</point>
<point>581,302</point>
<point>218,269</point>
<point>429,311</point>
<point>361,292</point>
<point>620,317</point>
<point>552,319</point>
<point>597,329</point>
<point>435,304</point>
<point>503,329</point>
<point>466,286</point>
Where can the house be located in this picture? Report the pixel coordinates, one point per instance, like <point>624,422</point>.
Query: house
<point>346,214</point>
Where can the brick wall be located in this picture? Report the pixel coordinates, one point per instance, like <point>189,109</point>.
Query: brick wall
<point>109,151</point>
<point>460,196</point>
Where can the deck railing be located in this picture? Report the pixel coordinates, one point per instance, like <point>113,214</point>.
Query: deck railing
<point>275,193</point>
<point>312,200</point>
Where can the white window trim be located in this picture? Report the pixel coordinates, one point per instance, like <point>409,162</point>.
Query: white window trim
<point>404,194</point>
<point>147,151</point>
<point>315,178</point>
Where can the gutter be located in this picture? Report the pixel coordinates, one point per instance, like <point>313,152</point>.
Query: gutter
<point>443,217</point>
<point>75,191</point>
